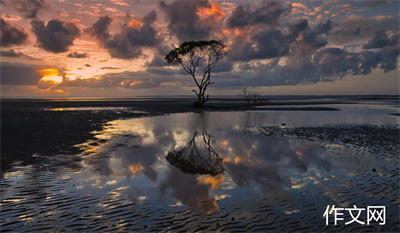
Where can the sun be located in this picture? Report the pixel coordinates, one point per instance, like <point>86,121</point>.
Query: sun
<point>55,79</point>
<point>51,75</point>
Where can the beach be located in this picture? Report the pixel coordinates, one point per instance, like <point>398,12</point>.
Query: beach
<point>157,164</point>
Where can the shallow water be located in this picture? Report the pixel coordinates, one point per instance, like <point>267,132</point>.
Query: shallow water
<point>140,175</point>
<point>365,113</point>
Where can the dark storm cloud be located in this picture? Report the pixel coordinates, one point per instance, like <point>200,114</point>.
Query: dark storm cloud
<point>131,80</point>
<point>274,42</point>
<point>261,45</point>
<point>146,35</point>
<point>331,62</point>
<point>13,53</point>
<point>109,68</point>
<point>150,18</point>
<point>389,58</point>
<point>183,20</point>
<point>157,61</point>
<point>120,47</point>
<point>381,40</point>
<point>326,64</point>
<point>296,28</point>
<point>129,43</point>
<point>161,71</point>
<point>313,36</point>
<point>11,35</point>
<point>19,74</point>
<point>223,66</point>
<point>193,194</point>
<point>261,36</point>
<point>57,36</point>
<point>28,8</point>
<point>268,13</point>
<point>388,50</point>
<point>356,29</point>
<point>270,43</point>
<point>100,28</point>
<point>77,55</point>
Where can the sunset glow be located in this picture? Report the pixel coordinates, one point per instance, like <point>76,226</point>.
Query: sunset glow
<point>135,168</point>
<point>49,72</point>
<point>214,181</point>
<point>56,79</point>
<point>279,47</point>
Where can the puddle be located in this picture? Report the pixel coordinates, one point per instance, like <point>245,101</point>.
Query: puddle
<point>208,172</point>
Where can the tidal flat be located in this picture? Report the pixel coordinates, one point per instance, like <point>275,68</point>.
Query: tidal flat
<point>155,164</point>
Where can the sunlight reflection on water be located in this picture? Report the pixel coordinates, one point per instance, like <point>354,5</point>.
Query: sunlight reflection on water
<point>213,162</point>
<point>138,147</point>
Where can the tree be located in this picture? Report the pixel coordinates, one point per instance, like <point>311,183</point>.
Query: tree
<point>192,159</point>
<point>191,55</point>
<point>253,98</point>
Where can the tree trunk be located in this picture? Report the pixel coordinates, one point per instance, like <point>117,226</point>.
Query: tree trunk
<point>201,99</point>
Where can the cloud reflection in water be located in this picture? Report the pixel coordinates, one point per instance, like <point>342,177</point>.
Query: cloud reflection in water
<point>141,146</point>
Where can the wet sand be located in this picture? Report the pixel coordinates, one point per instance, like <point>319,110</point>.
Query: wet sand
<point>39,194</point>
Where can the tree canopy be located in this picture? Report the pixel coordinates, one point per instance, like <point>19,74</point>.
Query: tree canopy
<point>192,54</point>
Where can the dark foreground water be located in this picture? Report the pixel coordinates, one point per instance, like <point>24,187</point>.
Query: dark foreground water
<point>213,171</point>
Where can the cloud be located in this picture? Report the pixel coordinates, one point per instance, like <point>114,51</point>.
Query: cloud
<point>109,68</point>
<point>150,18</point>
<point>77,55</point>
<point>356,29</point>
<point>127,79</point>
<point>12,35</point>
<point>129,42</point>
<point>57,36</point>
<point>19,74</point>
<point>100,29</point>
<point>268,13</point>
<point>258,45</point>
<point>381,40</point>
<point>389,58</point>
<point>28,8</point>
<point>157,61</point>
<point>296,28</point>
<point>12,53</point>
<point>186,22</point>
<point>276,42</point>
<point>193,194</point>
<point>325,65</point>
<point>312,36</point>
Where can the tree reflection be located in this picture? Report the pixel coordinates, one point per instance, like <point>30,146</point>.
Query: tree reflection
<point>194,160</point>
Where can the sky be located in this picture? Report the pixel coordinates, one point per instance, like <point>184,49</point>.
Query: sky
<point>116,48</point>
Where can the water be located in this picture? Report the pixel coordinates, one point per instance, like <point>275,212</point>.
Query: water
<point>214,171</point>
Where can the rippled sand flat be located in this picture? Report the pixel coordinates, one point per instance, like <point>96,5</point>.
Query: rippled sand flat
<point>253,176</point>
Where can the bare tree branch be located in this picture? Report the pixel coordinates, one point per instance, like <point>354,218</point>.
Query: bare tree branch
<point>189,54</point>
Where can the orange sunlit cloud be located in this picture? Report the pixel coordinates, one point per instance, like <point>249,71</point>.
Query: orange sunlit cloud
<point>215,11</point>
<point>134,24</point>
<point>127,83</point>
<point>109,54</point>
<point>224,143</point>
<point>210,205</point>
<point>135,168</point>
<point>49,72</point>
<point>215,181</point>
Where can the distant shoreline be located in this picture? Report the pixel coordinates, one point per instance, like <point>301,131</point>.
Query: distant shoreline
<point>212,97</point>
